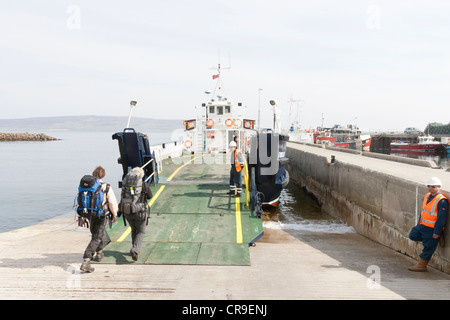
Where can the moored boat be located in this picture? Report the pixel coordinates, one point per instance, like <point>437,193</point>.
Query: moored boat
<point>426,143</point>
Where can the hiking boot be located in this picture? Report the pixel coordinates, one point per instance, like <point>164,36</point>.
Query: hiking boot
<point>421,266</point>
<point>99,256</point>
<point>86,266</point>
<point>134,255</point>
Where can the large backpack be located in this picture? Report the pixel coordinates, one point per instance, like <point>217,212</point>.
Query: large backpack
<point>132,200</point>
<point>90,197</point>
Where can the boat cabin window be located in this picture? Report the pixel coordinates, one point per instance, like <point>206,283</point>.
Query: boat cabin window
<point>227,109</point>
<point>219,110</point>
<point>211,109</point>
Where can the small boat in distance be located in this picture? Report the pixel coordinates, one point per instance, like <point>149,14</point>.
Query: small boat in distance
<point>426,143</point>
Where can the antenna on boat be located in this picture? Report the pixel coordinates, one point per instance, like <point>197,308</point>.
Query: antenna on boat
<point>217,76</point>
<point>132,105</point>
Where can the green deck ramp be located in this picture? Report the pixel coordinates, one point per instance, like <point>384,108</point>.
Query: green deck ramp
<point>191,223</point>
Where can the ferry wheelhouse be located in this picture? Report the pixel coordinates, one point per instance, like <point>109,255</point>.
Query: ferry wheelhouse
<point>220,122</point>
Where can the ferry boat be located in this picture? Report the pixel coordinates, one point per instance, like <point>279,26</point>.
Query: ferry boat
<point>426,143</point>
<point>193,220</point>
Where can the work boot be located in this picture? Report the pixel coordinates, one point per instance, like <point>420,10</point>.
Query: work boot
<point>421,266</point>
<point>86,266</point>
<point>237,195</point>
<point>99,256</point>
<point>231,192</point>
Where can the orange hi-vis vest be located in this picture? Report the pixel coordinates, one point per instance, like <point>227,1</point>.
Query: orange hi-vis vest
<point>428,216</point>
<point>236,161</point>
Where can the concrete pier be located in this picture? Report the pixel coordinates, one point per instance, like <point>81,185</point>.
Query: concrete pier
<point>43,261</point>
<point>380,198</point>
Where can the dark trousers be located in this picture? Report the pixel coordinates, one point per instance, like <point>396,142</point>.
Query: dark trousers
<point>138,224</point>
<point>100,237</point>
<point>425,235</point>
<point>235,180</point>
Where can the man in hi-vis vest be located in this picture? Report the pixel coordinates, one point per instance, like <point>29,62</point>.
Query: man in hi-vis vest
<point>237,165</point>
<point>430,228</point>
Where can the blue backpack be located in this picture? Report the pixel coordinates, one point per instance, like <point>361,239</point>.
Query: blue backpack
<point>90,197</point>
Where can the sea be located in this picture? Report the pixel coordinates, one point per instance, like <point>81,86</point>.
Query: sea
<point>39,181</point>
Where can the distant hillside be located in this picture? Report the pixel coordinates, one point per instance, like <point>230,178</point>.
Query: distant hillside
<point>88,123</point>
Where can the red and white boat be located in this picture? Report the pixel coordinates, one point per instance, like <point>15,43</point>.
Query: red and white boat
<point>426,143</point>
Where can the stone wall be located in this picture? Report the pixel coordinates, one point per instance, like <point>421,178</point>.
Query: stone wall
<point>379,206</point>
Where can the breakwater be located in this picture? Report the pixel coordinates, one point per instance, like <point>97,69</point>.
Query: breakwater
<point>379,198</point>
<point>25,136</point>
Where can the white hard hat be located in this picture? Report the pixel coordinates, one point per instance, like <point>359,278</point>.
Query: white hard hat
<point>232,144</point>
<point>434,182</point>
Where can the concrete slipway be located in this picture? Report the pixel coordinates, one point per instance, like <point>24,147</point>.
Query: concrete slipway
<point>42,262</point>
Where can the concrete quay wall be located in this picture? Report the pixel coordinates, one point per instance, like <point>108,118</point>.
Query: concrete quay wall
<point>380,199</point>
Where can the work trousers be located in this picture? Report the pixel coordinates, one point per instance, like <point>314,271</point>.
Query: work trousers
<point>425,235</point>
<point>235,180</point>
<point>138,224</point>
<point>100,237</point>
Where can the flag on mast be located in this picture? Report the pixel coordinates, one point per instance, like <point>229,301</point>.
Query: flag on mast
<point>215,76</point>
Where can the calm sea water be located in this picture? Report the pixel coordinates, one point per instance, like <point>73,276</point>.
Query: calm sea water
<point>39,179</point>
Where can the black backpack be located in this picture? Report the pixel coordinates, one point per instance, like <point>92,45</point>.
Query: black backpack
<point>132,199</point>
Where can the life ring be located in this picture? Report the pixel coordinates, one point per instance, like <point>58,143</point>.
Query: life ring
<point>247,124</point>
<point>188,144</point>
<point>238,123</point>
<point>210,123</point>
<point>228,122</point>
<point>191,124</point>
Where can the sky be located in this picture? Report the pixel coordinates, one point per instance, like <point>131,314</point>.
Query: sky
<point>382,65</point>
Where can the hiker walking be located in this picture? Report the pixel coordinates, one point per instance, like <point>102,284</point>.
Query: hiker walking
<point>98,220</point>
<point>134,205</point>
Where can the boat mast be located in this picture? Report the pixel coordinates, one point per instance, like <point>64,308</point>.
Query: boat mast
<point>296,122</point>
<point>218,76</point>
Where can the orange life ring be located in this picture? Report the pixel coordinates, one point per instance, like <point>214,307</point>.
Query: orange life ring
<point>191,125</point>
<point>210,123</point>
<point>228,122</point>
<point>247,124</point>
<point>188,144</point>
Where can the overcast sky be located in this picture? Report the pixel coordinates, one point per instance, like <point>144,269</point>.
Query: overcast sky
<point>380,64</point>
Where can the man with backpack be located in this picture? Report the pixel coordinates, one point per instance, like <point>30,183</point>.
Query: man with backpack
<point>96,204</point>
<point>134,205</point>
